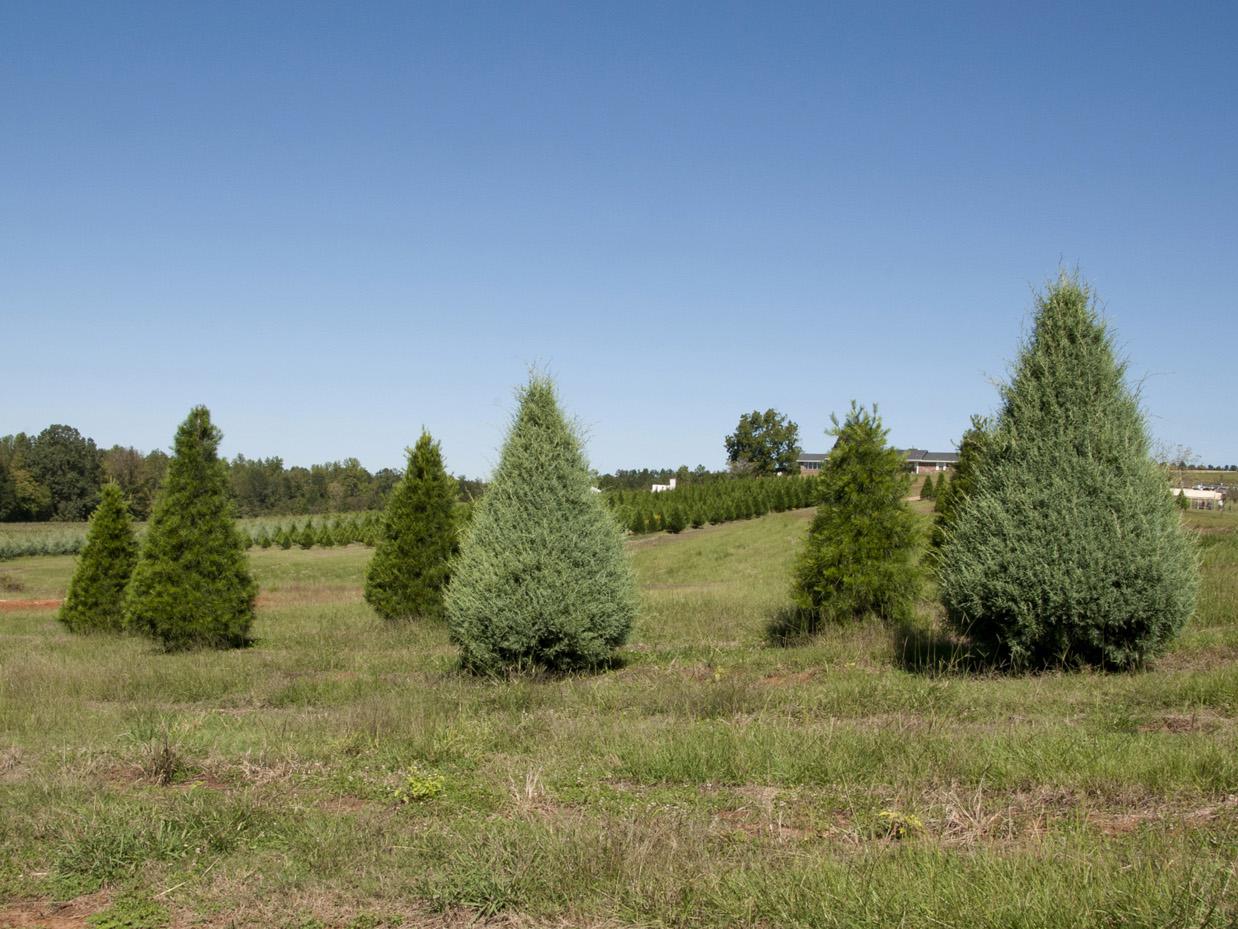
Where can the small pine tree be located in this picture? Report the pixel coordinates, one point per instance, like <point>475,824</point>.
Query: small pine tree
<point>284,539</point>
<point>1182,500</point>
<point>411,566</point>
<point>308,536</point>
<point>1088,562</point>
<point>861,553</point>
<point>636,525</point>
<point>676,522</point>
<point>928,491</point>
<point>96,598</point>
<point>264,538</point>
<point>192,586</point>
<point>542,580</point>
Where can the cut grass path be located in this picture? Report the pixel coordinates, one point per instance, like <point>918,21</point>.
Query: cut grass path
<point>712,780</point>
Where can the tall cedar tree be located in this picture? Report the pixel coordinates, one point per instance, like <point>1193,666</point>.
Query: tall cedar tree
<point>192,585</point>
<point>861,555</point>
<point>542,580</point>
<point>1068,549</point>
<point>96,598</point>
<point>410,568</point>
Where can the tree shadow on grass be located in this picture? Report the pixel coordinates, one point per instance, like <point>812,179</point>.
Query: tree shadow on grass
<point>792,626</point>
<point>928,649</point>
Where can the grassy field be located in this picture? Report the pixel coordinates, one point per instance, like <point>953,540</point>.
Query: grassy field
<point>343,773</point>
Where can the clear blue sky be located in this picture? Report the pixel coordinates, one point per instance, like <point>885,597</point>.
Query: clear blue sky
<point>334,223</point>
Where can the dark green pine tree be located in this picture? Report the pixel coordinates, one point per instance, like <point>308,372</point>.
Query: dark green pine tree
<point>676,520</point>
<point>308,536</point>
<point>861,557</point>
<point>542,580</point>
<point>928,491</point>
<point>1067,549</point>
<point>96,598</point>
<point>192,585</point>
<point>411,566</point>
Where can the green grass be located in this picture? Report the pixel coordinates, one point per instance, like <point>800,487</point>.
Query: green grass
<point>343,773</point>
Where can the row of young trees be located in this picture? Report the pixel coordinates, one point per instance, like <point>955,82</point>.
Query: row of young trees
<point>187,583</point>
<point>536,579</point>
<point>696,504</point>
<point>1087,564</point>
<point>1057,542</point>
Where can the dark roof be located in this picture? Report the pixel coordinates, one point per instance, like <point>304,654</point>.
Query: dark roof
<point>920,454</point>
<point>812,456</point>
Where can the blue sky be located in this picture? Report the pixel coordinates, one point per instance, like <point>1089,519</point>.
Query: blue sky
<point>336,223</point>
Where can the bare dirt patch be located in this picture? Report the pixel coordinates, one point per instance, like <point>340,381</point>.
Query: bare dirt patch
<point>13,606</point>
<point>46,914</point>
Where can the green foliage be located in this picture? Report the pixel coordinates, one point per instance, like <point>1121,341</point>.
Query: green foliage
<point>192,585</point>
<point>928,491</point>
<point>411,565</point>
<point>542,580</point>
<point>1067,549</point>
<point>96,595</point>
<point>308,536</point>
<point>861,554</point>
<point>951,496</point>
<point>67,464</point>
<point>676,520</point>
<point>419,785</point>
<point>1182,501</point>
<point>130,911</point>
<point>763,444</point>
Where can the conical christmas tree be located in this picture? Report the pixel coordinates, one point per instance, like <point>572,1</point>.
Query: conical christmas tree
<point>410,567</point>
<point>542,580</point>
<point>96,598</point>
<point>861,555</point>
<point>192,585</point>
<point>1067,549</point>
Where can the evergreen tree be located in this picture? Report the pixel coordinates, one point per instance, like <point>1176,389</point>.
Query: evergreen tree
<point>96,598</point>
<point>542,580</point>
<point>676,522</point>
<point>1067,549</point>
<point>411,566</point>
<point>284,539</point>
<point>192,585</point>
<point>637,523</point>
<point>308,536</point>
<point>950,498</point>
<point>264,538</point>
<point>861,553</point>
<point>928,490</point>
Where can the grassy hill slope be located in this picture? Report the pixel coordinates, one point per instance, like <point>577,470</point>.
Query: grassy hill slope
<point>343,773</point>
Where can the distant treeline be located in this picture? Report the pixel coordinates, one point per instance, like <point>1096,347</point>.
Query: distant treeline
<point>56,475</point>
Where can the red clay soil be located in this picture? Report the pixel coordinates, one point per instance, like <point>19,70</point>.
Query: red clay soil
<point>14,605</point>
<point>48,915</point>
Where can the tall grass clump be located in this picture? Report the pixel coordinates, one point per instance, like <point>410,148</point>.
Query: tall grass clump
<point>542,580</point>
<point>95,601</point>
<point>410,567</point>
<point>192,585</point>
<point>861,556</point>
<point>1068,549</point>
